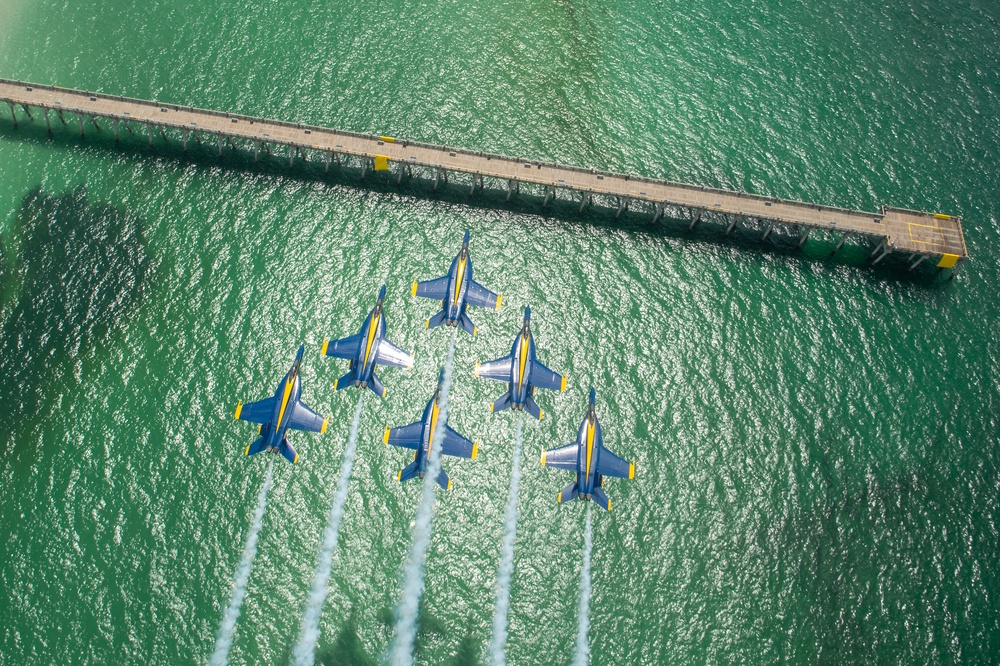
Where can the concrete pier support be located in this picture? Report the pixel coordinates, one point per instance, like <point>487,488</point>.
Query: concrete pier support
<point>149,130</point>
<point>585,198</point>
<point>115,126</point>
<point>364,164</point>
<point>472,187</point>
<point>840,243</point>
<point>658,213</point>
<point>61,117</point>
<point>878,248</point>
<point>888,251</point>
<point>13,116</point>
<point>399,174</point>
<point>802,241</point>
<point>94,120</point>
<point>218,144</point>
<point>918,262</point>
<point>47,125</point>
<point>184,139</point>
<point>256,152</point>
<point>291,159</point>
<point>326,162</point>
<point>80,119</point>
<point>695,218</point>
<point>510,189</point>
<point>550,194</point>
<point>767,233</point>
<point>732,225</point>
<point>27,112</point>
<point>437,177</point>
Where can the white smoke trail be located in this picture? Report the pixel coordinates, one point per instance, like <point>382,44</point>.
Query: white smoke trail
<point>305,649</point>
<point>507,555</point>
<point>228,628</point>
<point>582,657</point>
<point>401,651</point>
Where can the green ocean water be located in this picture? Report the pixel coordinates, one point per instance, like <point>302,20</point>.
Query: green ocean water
<point>816,441</point>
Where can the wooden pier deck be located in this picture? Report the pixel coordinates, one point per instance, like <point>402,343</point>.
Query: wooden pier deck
<point>922,235</point>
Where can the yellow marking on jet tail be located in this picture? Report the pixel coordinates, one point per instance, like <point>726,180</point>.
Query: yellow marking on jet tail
<point>631,470</point>
<point>541,414</point>
<point>247,451</point>
<point>499,299</point>
<point>543,458</point>
<point>335,382</point>
<point>239,410</point>
<point>475,370</point>
<point>326,422</point>
<point>475,330</point>
<point>609,504</point>
<point>413,292</point>
<point>326,344</point>
<point>385,437</point>
<point>260,428</point>
<point>475,450</point>
<point>449,485</point>
<point>284,402</point>
<point>559,497</point>
<point>563,387</point>
<point>492,405</point>
<point>296,461</point>
<point>399,475</point>
<point>384,391</point>
<point>427,324</point>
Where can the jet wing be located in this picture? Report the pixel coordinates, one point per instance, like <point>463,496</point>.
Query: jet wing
<point>304,418</point>
<point>346,348</point>
<point>456,445</point>
<point>480,296</point>
<point>390,354</point>
<point>406,437</point>
<point>498,369</point>
<point>544,378</point>
<point>608,464</point>
<point>255,412</point>
<point>436,289</point>
<point>565,457</point>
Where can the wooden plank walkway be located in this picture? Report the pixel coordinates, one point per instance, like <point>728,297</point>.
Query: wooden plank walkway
<point>923,235</point>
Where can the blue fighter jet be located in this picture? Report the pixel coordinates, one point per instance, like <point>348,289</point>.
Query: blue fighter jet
<point>366,350</point>
<point>456,291</point>
<point>591,461</point>
<point>523,372</point>
<point>280,412</point>
<point>419,436</point>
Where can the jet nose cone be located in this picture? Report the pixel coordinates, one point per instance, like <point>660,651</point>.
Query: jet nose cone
<point>381,293</point>
<point>593,397</point>
<point>527,313</point>
<point>441,377</point>
<point>465,241</point>
<point>301,352</point>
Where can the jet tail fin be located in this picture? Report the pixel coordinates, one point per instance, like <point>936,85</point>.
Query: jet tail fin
<point>256,447</point>
<point>345,381</point>
<point>436,320</point>
<point>287,451</point>
<point>602,499</point>
<point>501,403</point>
<point>569,493</point>
<point>467,324</point>
<point>408,472</point>
<point>443,480</point>
<point>532,408</point>
<point>376,386</point>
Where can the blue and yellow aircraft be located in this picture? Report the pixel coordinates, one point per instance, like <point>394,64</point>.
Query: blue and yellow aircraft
<point>591,461</point>
<point>366,350</point>
<point>456,291</point>
<point>523,372</point>
<point>280,412</point>
<point>419,436</point>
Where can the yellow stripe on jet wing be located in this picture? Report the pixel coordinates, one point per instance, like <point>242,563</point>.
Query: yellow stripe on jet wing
<point>459,274</point>
<point>434,420</point>
<point>371,338</point>
<point>284,402</point>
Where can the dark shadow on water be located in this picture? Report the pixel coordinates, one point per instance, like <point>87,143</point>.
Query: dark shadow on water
<point>346,649</point>
<point>74,273</point>
<point>239,159</point>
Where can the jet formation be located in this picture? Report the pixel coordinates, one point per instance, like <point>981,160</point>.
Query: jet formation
<point>521,370</point>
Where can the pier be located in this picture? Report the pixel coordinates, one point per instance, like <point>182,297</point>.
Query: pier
<point>918,235</point>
